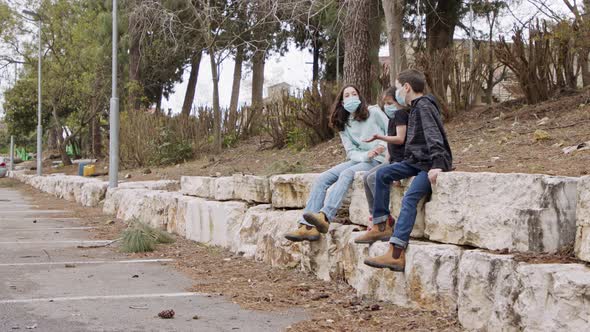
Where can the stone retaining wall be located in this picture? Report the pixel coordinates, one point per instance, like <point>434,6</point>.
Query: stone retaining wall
<point>488,291</point>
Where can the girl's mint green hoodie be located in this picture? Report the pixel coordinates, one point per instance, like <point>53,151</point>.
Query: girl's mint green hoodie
<point>356,132</point>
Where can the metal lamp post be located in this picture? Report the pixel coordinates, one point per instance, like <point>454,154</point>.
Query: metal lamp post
<point>36,17</point>
<point>114,112</point>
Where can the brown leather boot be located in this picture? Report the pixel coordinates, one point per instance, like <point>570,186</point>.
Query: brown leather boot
<point>319,220</point>
<point>303,233</point>
<point>379,232</point>
<point>394,259</point>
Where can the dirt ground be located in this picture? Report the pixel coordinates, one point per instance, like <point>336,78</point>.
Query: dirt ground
<point>502,138</point>
<point>332,306</point>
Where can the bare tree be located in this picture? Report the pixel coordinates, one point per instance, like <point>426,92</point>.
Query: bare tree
<point>582,26</point>
<point>191,88</point>
<point>394,12</point>
<point>492,66</point>
<point>235,91</point>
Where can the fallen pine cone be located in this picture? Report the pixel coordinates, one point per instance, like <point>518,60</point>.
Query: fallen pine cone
<point>166,314</point>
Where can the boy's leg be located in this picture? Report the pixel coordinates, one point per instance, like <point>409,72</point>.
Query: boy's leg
<point>382,221</point>
<point>419,188</point>
<point>395,257</point>
<point>384,179</point>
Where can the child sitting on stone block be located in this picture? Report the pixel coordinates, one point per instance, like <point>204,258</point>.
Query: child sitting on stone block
<point>355,121</point>
<point>427,153</point>
<point>395,139</point>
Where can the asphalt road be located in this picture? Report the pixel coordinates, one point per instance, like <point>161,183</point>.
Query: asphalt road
<point>48,284</point>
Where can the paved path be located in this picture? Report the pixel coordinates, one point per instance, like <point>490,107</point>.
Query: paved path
<point>48,284</point>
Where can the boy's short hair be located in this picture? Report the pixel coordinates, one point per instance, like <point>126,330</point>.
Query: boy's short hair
<point>414,77</point>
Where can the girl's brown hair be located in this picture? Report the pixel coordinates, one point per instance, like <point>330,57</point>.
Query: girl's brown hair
<point>339,116</point>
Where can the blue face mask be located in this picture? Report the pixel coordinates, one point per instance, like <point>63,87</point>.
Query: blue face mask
<point>401,100</point>
<point>390,110</point>
<point>351,103</point>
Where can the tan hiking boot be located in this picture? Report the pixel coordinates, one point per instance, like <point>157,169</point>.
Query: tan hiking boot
<point>303,233</point>
<point>394,259</point>
<point>379,232</point>
<point>319,220</point>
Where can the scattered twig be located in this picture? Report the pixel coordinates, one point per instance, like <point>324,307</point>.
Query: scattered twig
<point>138,307</point>
<point>46,253</point>
<point>99,245</point>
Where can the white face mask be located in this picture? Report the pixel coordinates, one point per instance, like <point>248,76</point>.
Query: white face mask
<point>351,103</point>
<point>390,110</point>
<point>401,98</point>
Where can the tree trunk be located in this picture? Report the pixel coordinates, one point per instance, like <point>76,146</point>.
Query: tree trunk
<point>585,52</point>
<point>52,139</point>
<point>442,17</point>
<point>96,138</point>
<point>159,98</point>
<point>216,107</point>
<point>374,46</point>
<point>357,44</point>
<point>134,67</point>
<point>258,63</point>
<point>189,96</point>
<point>316,57</point>
<point>235,89</point>
<point>65,159</point>
<point>490,67</point>
<point>583,58</point>
<point>394,12</point>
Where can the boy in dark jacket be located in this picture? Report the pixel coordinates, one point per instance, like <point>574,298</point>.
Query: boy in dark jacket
<point>427,153</point>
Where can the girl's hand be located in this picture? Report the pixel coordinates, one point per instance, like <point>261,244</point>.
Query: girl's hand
<point>376,151</point>
<point>372,138</point>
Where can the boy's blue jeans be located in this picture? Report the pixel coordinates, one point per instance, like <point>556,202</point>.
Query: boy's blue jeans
<point>419,188</point>
<point>341,176</point>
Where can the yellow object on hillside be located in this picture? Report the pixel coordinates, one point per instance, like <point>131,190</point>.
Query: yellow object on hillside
<point>89,170</point>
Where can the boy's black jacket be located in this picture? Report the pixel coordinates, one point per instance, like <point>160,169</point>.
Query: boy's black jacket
<point>427,146</point>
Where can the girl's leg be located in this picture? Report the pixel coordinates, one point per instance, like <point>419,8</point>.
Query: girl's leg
<point>341,187</point>
<point>369,182</point>
<point>317,196</point>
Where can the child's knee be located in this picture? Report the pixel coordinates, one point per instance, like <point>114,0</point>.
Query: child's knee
<point>347,175</point>
<point>369,177</point>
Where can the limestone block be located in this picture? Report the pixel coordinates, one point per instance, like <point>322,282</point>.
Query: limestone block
<point>379,284</point>
<point>93,193</point>
<point>210,222</point>
<point>553,297</point>
<point>178,220</point>
<point>487,288</point>
<point>291,191</point>
<point>225,189</point>
<point>252,189</point>
<point>582,247</point>
<point>199,186</point>
<point>167,185</point>
<point>261,236</point>
<point>520,212</point>
<point>431,275</point>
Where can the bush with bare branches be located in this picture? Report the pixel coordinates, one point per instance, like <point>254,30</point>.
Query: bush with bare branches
<point>544,62</point>
<point>464,81</point>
